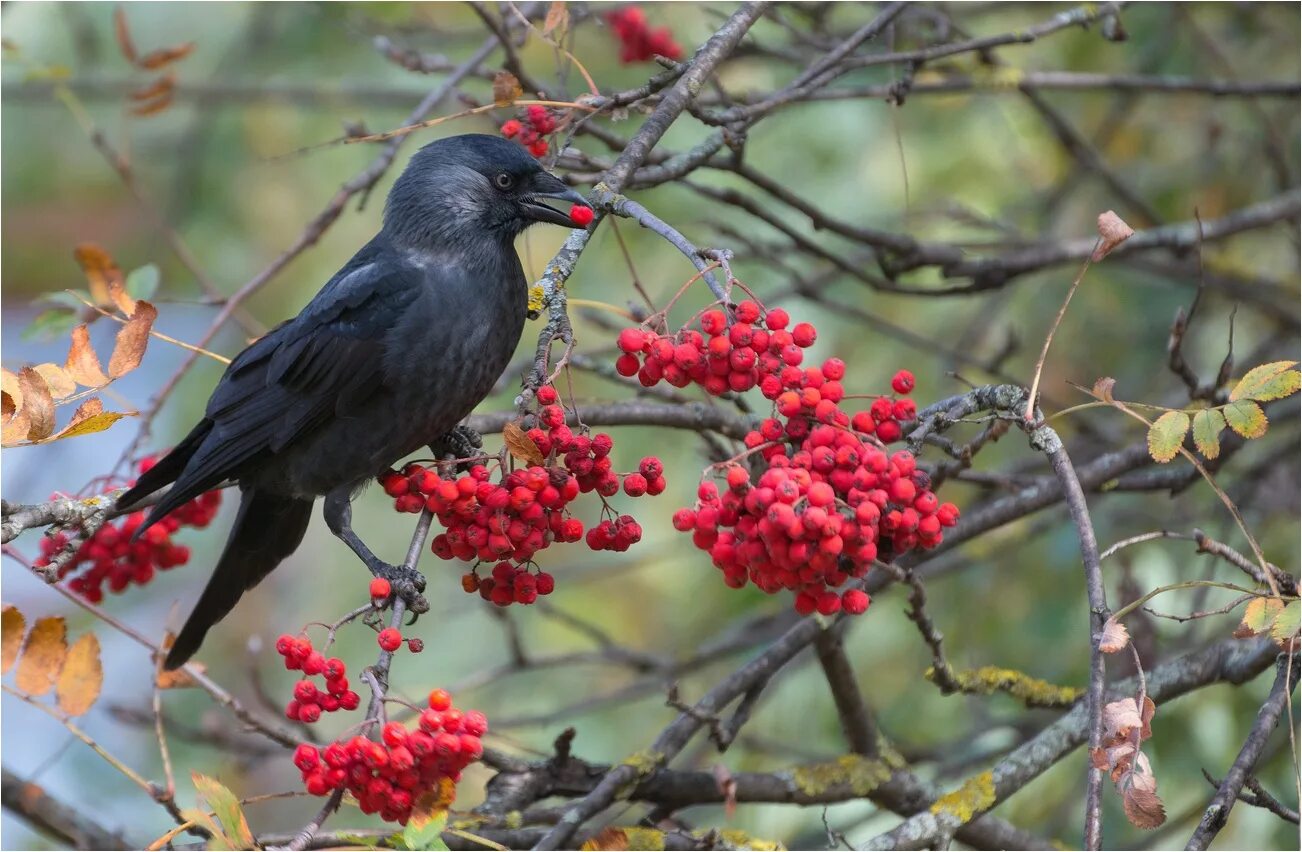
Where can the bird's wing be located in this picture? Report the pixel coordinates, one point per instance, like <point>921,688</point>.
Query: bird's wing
<point>328,361</point>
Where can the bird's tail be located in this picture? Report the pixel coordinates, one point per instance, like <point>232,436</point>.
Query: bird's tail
<point>267,529</point>
<point>168,469</point>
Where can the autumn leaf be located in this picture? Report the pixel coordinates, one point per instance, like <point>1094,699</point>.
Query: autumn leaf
<point>165,56</point>
<point>38,405</point>
<point>727,789</point>
<point>1115,637</point>
<point>120,30</point>
<point>12,387</point>
<point>557,20</point>
<point>12,628</point>
<point>161,86</point>
<point>132,340</point>
<point>100,270</point>
<point>1112,233</point>
<point>57,380</point>
<point>83,364</point>
<point>81,677</point>
<point>1103,388</point>
<point>1139,797</point>
<point>89,418</point>
<point>16,429</point>
<point>1166,435</point>
<point>1260,614</point>
<point>1268,381</point>
<point>178,678</point>
<point>520,445</point>
<point>227,808</point>
<point>1286,623</point>
<point>1246,418</point>
<point>42,655</point>
<point>1207,427</point>
<point>506,89</point>
<point>153,107</point>
<point>609,839</point>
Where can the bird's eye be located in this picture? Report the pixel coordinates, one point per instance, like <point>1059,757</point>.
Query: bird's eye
<point>503,181</point>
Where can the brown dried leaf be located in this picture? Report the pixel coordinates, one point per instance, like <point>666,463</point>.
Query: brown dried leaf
<point>1120,718</point>
<point>1112,233</point>
<point>157,105</point>
<point>506,89</point>
<point>132,340</point>
<point>83,363</point>
<point>42,655</point>
<point>12,628</point>
<point>558,20</point>
<point>178,678</point>
<point>7,406</point>
<point>82,676</point>
<point>165,56</point>
<point>610,839</point>
<point>520,445</point>
<point>1103,388</point>
<point>1115,637</point>
<point>100,269</point>
<point>727,788</point>
<point>10,384</point>
<point>38,405</point>
<point>57,380</point>
<point>1139,796</point>
<point>16,429</point>
<point>123,35</point>
<point>160,86</point>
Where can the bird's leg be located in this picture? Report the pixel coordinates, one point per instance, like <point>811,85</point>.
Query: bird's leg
<point>408,583</point>
<point>462,443</point>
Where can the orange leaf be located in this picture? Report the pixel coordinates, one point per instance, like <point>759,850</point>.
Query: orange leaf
<point>89,418</point>
<point>38,405</point>
<point>506,89</point>
<point>16,429</point>
<point>160,86</point>
<point>132,340</point>
<point>100,271</point>
<point>178,678</point>
<point>57,380</point>
<point>42,655</point>
<point>9,382</point>
<point>165,56</point>
<point>12,628</point>
<point>155,106</point>
<point>610,839</point>
<point>82,676</point>
<point>520,445</point>
<point>83,363</point>
<point>123,35</point>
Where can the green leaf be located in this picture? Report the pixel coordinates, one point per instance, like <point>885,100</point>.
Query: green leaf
<point>1207,426</point>
<point>1286,623</point>
<point>1246,418</point>
<point>1166,435</point>
<point>1275,380</point>
<point>50,324</point>
<point>217,842</point>
<point>426,833</point>
<point>227,807</point>
<point>142,282</point>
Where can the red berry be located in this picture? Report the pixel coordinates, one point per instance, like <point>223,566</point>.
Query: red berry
<point>380,588</point>
<point>902,382</point>
<point>581,216</point>
<point>510,128</point>
<point>389,639</point>
<point>777,319</point>
<point>803,335</point>
<point>547,395</point>
<point>855,602</point>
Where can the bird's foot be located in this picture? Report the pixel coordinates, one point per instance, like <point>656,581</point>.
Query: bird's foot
<point>462,443</point>
<point>407,584</point>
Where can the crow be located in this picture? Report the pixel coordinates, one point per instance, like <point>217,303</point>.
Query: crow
<point>392,353</point>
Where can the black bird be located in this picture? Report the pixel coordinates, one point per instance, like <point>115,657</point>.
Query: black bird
<point>397,348</point>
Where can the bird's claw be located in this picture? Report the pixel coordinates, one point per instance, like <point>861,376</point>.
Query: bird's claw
<point>407,584</point>
<point>461,442</point>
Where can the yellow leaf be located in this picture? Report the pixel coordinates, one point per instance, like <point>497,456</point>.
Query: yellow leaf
<point>81,677</point>
<point>38,405</point>
<point>1260,614</point>
<point>12,628</point>
<point>132,340</point>
<point>506,89</point>
<point>42,655</point>
<point>83,363</point>
<point>1207,427</point>
<point>100,269</point>
<point>1286,623</point>
<point>88,419</point>
<point>520,445</point>
<point>57,380</point>
<point>1268,381</point>
<point>1246,418</point>
<point>1166,435</point>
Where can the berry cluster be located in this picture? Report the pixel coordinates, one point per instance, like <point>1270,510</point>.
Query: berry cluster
<point>508,522</point>
<point>309,701</point>
<point>532,131</point>
<point>638,42</point>
<point>114,560</point>
<point>390,776</point>
<point>827,500</point>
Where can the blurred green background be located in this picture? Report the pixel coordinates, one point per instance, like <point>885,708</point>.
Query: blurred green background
<point>268,79</point>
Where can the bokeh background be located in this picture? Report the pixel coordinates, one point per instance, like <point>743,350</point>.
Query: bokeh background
<point>266,80</point>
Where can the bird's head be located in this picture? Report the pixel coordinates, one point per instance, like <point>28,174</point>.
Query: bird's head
<point>473,186</point>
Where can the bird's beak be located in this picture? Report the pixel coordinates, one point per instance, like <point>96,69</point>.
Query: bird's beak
<point>550,186</point>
